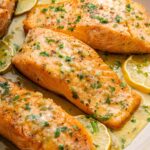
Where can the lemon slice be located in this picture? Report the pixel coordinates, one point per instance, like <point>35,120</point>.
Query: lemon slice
<point>136,70</point>
<point>98,132</point>
<point>24,6</point>
<point>6,54</point>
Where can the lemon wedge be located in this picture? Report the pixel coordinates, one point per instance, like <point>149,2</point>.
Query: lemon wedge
<point>6,54</point>
<point>24,6</point>
<point>136,71</point>
<point>99,133</point>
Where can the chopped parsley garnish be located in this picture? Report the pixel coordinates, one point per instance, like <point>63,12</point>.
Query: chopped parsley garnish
<point>58,21</point>
<point>68,59</point>
<point>61,147</point>
<point>112,89</point>
<point>74,94</point>
<point>123,85</point>
<point>2,63</point>
<point>139,18</point>
<point>37,45</point>
<point>43,108</point>
<point>78,19</point>
<point>53,1</point>
<point>100,19</point>
<point>80,76</point>
<point>118,18</point>
<point>59,130</point>
<point>57,133</point>
<point>32,117</point>
<point>108,100</point>
<point>133,120</point>
<point>75,127</point>
<point>60,27</point>
<point>123,141</point>
<point>27,107</point>
<point>61,46</point>
<point>71,28</point>
<point>5,87</point>
<point>148,119</point>
<point>106,117</point>
<point>61,16</point>
<point>60,56</point>
<point>96,85</point>
<point>60,8</point>
<point>49,40</point>
<point>90,6</point>
<point>51,7</point>
<point>44,54</point>
<point>142,37</point>
<point>63,129</point>
<point>146,109</point>
<point>117,65</point>
<point>16,97</point>
<point>94,126</point>
<point>123,104</point>
<point>16,47</point>
<point>44,124</point>
<point>128,7</point>
<point>44,10</point>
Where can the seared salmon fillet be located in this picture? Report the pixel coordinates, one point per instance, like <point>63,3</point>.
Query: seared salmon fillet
<point>69,67</point>
<point>6,11</point>
<point>117,26</point>
<point>33,122</point>
<point>139,24</point>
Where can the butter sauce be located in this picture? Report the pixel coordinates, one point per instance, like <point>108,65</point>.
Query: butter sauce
<point>140,118</point>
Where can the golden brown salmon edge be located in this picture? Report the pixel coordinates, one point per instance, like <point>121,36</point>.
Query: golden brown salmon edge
<point>107,25</point>
<point>67,66</point>
<point>6,12</point>
<point>33,122</point>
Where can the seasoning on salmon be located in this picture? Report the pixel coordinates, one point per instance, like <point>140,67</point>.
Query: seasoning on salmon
<point>69,67</point>
<point>118,26</point>
<point>31,121</point>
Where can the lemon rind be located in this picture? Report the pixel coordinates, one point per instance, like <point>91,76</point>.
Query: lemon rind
<point>25,11</point>
<point>106,131</point>
<point>3,70</point>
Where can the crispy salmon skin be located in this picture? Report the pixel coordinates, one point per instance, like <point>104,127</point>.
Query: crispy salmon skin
<point>6,12</point>
<point>33,122</point>
<point>67,66</point>
<point>118,26</point>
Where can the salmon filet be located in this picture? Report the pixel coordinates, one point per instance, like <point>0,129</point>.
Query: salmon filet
<point>67,66</point>
<point>6,12</point>
<point>118,26</point>
<point>33,122</point>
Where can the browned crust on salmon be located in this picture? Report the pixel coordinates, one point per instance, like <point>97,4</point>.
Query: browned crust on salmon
<point>6,12</point>
<point>105,99</point>
<point>109,31</point>
<point>33,122</point>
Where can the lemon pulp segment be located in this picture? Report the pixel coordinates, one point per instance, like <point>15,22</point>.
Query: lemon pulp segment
<point>136,70</point>
<point>24,6</point>
<point>99,133</point>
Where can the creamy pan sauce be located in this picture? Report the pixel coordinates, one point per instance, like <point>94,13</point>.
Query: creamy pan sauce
<point>122,137</point>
